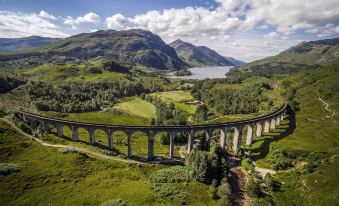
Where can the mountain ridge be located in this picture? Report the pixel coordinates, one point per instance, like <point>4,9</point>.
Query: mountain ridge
<point>15,44</point>
<point>135,47</point>
<point>198,55</point>
<point>302,56</point>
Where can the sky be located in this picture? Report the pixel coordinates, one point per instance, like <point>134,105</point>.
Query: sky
<point>244,29</point>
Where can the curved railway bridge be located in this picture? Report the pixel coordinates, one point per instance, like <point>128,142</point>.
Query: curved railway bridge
<point>262,124</point>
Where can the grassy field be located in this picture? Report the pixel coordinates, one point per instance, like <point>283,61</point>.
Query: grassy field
<point>48,177</point>
<point>137,107</point>
<point>177,98</point>
<point>310,130</point>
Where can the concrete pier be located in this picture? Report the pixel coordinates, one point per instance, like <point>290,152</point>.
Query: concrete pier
<point>259,129</point>
<point>151,145</point>
<point>223,138</point>
<point>237,138</point>
<point>249,135</point>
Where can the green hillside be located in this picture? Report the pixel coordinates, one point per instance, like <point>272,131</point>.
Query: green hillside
<point>48,176</point>
<point>306,55</point>
<point>131,47</point>
<point>312,135</point>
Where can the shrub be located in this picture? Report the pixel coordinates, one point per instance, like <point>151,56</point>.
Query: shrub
<point>269,182</point>
<point>224,188</point>
<point>94,70</point>
<point>205,166</point>
<point>8,168</point>
<point>224,201</point>
<point>171,192</point>
<point>115,202</point>
<point>266,201</point>
<point>68,150</point>
<point>213,190</point>
<point>171,175</point>
<point>253,188</point>
<point>246,164</point>
<point>2,112</point>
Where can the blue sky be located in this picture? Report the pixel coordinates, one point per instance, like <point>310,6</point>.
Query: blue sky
<point>244,29</point>
<point>102,7</point>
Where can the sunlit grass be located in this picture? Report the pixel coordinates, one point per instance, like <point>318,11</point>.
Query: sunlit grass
<point>136,106</point>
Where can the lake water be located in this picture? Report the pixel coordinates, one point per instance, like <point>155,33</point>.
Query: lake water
<point>207,72</point>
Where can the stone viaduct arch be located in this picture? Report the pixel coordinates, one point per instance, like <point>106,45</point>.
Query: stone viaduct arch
<point>262,124</point>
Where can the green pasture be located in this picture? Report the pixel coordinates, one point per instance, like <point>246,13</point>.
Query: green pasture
<point>137,107</point>
<point>178,98</point>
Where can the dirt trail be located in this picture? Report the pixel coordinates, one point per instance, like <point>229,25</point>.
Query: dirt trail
<point>261,172</point>
<point>327,109</point>
<point>86,151</point>
<point>238,180</point>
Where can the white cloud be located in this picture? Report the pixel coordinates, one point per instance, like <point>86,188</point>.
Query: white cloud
<point>245,46</point>
<point>46,15</point>
<point>116,21</point>
<point>16,24</point>
<point>287,16</point>
<point>272,35</point>
<point>93,30</point>
<point>337,29</point>
<point>323,31</point>
<point>229,17</point>
<point>264,27</point>
<point>87,18</point>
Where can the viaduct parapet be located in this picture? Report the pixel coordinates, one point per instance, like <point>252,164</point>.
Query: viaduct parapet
<point>258,125</point>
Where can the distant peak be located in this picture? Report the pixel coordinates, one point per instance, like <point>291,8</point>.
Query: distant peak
<point>178,41</point>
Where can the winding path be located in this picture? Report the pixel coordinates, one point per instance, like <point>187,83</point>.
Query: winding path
<point>86,151</point>
<point>327,109</point>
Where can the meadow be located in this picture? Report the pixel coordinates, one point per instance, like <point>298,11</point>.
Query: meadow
<point>136,106</point>
<point>178,98</point>
<point>49,177</point>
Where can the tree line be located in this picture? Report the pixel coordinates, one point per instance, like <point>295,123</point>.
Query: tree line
<point>231,99</point>
<point>79,97</point>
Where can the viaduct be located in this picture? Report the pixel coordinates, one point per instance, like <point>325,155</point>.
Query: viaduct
<point>259,124</point>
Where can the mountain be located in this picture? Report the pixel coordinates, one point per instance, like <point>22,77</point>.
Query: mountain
<point>14,44</point>
<point>134,47</point>
<point>306,55</point>
<point>235,62</point>
<point>198,55</point>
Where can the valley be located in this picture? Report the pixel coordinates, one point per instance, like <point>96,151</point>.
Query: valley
<point>125,133</point>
